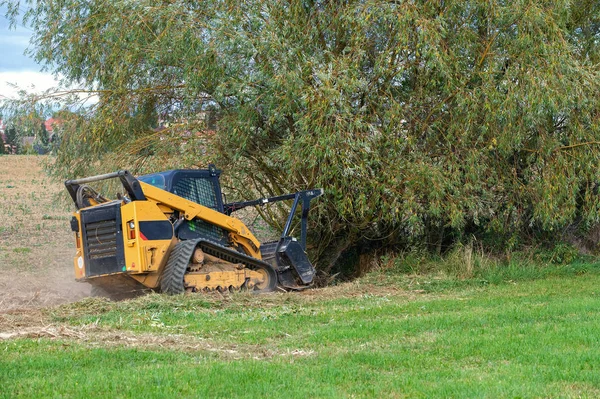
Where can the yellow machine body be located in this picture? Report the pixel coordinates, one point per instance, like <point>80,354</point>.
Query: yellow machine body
<point>145,258</point>
<point>156,237</point>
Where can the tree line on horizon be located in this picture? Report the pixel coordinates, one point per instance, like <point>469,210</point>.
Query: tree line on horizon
<point>25,135</point>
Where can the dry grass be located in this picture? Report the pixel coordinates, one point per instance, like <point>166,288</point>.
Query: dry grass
<point>39,323</point>
<point>93,336</point>
<point>36,244</point>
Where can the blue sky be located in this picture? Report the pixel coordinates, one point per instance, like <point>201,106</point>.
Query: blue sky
<point>15,67</point>
<point>13,43</point>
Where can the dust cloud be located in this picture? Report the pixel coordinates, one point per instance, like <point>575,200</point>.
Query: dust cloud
<point>28,291</point>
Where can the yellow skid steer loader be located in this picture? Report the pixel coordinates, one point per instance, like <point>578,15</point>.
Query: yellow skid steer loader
<point>171,232</point>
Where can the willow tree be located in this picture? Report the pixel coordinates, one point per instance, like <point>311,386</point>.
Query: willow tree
<point>424,121</point>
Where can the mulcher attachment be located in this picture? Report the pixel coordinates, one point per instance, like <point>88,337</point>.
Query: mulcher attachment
<point>294,270</point>
<point>288,255</point>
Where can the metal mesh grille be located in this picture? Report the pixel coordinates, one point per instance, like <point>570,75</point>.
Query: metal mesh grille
<point>201,191</point>
<point>206,230</point>
<point>101,239</point>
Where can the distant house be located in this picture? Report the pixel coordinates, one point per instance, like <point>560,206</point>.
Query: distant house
<point>51,125</point>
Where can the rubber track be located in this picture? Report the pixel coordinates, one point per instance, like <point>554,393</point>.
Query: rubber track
<point>179,259</point>
<point>171,281</point>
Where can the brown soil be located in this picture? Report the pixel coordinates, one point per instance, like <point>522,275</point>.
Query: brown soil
<point>29,291</point>
<point>36,244</point>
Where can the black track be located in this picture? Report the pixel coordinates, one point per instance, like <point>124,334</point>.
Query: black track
<point>172,277</point>
<point>171,281</point>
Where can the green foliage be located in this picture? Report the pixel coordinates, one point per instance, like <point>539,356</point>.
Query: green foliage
<point>467,265</point>
<point>27,124</point>
<point>423,121</point>
<point>561,253</point>
<point>42,140</point>
<point>12,137</point>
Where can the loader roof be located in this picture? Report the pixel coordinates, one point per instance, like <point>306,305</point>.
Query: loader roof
<point>197,185</point>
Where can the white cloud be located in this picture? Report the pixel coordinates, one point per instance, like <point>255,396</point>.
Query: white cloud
<point>30,81</point>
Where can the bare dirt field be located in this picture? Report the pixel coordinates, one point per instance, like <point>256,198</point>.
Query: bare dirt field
<point>36,243</point>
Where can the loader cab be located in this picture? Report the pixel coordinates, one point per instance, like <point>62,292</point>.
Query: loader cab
<point>197,185</point>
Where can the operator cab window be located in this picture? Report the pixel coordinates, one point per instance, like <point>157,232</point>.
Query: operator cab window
<point>156,180</point>
<point>198,190</point>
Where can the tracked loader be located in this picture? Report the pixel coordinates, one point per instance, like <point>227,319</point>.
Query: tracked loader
<point>171,232</point>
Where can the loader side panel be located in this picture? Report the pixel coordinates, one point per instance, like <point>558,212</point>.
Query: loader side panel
<point>148,236</point>
<point>102,239</point>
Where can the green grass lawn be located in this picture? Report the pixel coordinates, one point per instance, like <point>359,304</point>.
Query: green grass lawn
<point>528,339</point>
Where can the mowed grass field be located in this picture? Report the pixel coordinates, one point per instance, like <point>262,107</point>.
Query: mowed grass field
<point>384,335</point>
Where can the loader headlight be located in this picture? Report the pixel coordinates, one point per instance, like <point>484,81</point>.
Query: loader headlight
<point>131,228</point>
